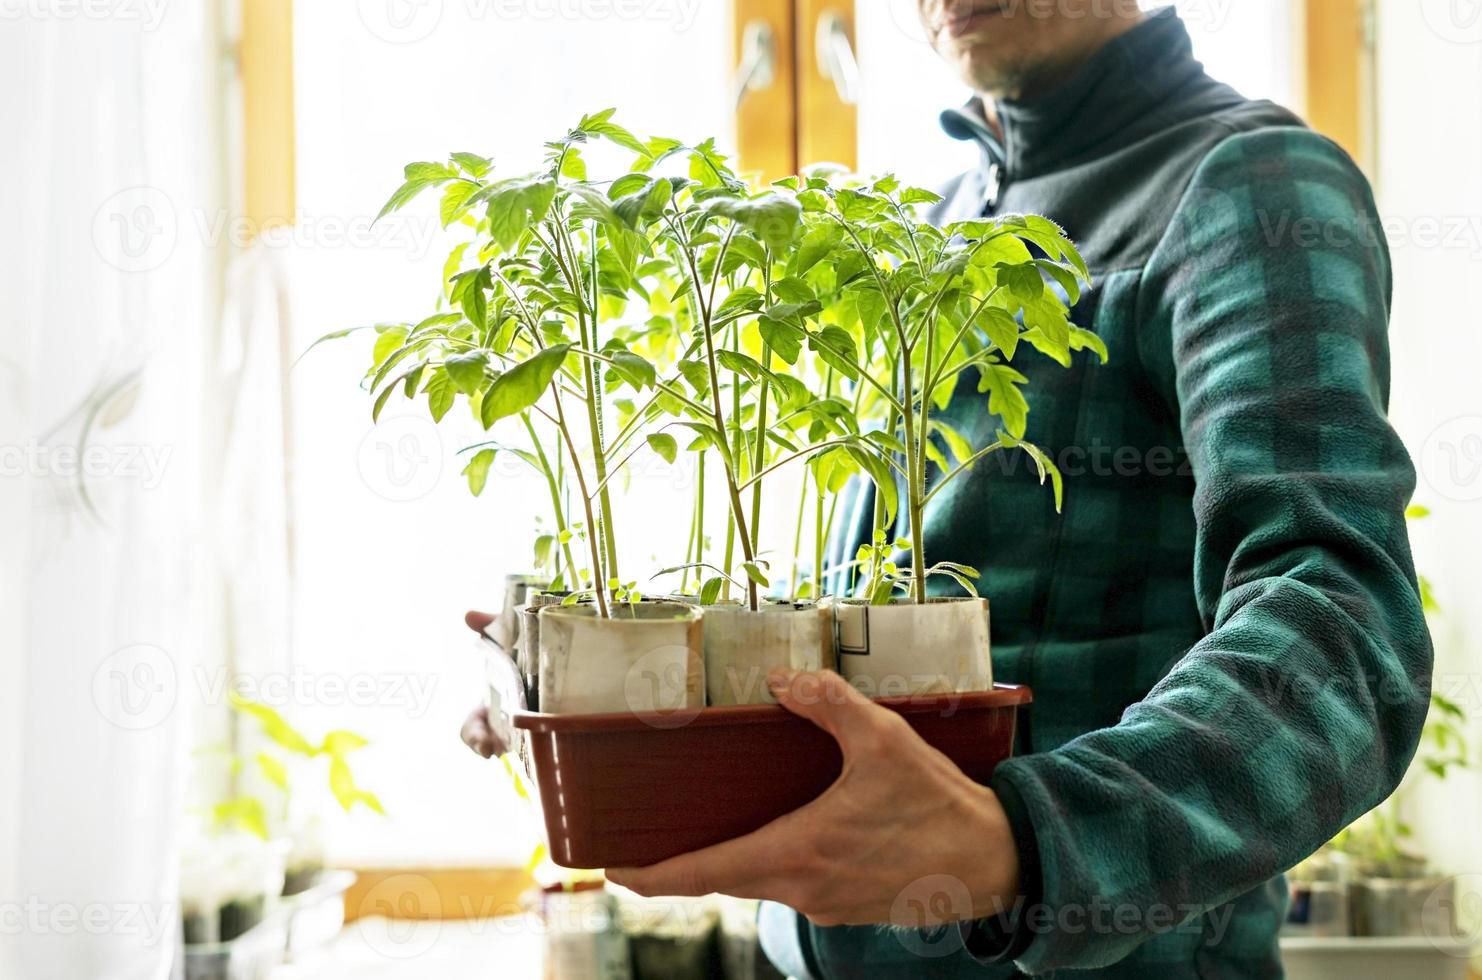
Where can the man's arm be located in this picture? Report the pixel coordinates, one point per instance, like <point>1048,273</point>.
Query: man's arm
<point>1302,706</point>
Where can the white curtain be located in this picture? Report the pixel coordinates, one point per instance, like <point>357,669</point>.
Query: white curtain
<point>108,299</point>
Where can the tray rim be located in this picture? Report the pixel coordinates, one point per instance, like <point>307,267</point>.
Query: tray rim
<point>542,723</point>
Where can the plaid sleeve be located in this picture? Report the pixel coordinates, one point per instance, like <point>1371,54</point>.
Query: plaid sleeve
<point>1302,705</point>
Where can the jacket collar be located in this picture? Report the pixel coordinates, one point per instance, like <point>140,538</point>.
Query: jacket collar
<point>1122,93</point>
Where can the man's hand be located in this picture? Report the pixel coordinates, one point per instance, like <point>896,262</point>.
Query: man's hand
<point>476,732</point>
<point>903,837</point>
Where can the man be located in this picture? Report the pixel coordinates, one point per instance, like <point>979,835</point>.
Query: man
<point>1223,633</point>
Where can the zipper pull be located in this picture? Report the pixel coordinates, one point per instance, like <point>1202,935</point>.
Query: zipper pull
<point>994,185</point>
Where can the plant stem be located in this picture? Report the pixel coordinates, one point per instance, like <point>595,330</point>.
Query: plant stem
<point>602,526</point>
<point>738,510</point>
<point>700,514</point>
<point>586,502</point>
<point>819,545</point>
<point>797,538</point>
<point>913,484</point>
<point>554,487</point>
<point>759,460</point>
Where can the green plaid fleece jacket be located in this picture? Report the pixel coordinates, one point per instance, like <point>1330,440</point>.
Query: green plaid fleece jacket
<point>1223,632</point>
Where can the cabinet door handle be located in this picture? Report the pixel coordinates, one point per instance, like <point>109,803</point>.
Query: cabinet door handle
<point>836,60</point>
<point>758,68</point>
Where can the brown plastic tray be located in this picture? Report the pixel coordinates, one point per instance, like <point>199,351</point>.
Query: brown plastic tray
<point>620,790</point>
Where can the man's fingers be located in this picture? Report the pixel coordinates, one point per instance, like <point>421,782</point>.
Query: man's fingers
<point>478,736</point>
<point>477,621</point>
<point>747,867</point>
<point>831,703</point>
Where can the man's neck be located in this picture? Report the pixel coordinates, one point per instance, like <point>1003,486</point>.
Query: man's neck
<point>1046,78</point>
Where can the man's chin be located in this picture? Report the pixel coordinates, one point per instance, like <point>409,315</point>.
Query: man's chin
<point>987,71</point>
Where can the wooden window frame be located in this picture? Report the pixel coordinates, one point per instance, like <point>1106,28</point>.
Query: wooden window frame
<point>801,118</point>
<point>1335,54</point>
<point>265,70</point>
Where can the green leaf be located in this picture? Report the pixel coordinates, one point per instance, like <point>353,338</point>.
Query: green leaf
<point>245,811</point>
<point>960,448</point>
<point>698,376</point>
<point>341,782</point>
<point>406,193</point>
<point>467,370</point>
<point>273,770</point>
<point>744,250</point>
<point>340,742</point>
<point>515,205</point>
<point>817,243</point>
<point>664,444</point>
<point>743,298</point>
<point>773,217</point>
<point>273,725</point>
<point>1081,339</point>
<point>369,800</point>
<point>599,124</point>
<point>455,202</point>
<point>389,340</point>
<point>473,164</point>
<point>572,164</point>
<point>430,172</point>
<point>1047,469</point>
<point>739,363</point>
<point>1023,281</point>
<point>636,370</point>
<point>333,335</point>
<point>754,572</point>
<point>381,401</point>
<point>881,475</point>
<point>1065,277</point>
<point>793,290</point>
<point>916,195</point>
<point>521,386</point>
<point>1002,330</point>
<point>648,201</point>
<point>545,550</point>
<point>710,591</point>
<point>440,394</point>
<point>477,470</point>
<point>835,347</point>
<point>785,339</point>
<point>1005,400</point>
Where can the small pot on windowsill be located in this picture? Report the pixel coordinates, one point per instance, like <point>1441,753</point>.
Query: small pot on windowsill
<point>1403,898</point>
